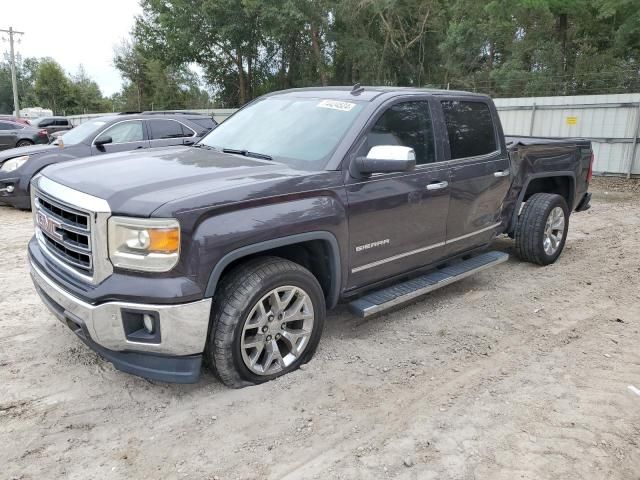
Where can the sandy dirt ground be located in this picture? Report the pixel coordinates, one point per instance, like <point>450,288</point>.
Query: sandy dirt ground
<point>520,372</point>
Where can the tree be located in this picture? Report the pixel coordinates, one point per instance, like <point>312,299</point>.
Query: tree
<point>52,87</point>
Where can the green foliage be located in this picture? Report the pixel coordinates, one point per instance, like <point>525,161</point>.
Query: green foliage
<point>501,47</point>
<point>245,48</point>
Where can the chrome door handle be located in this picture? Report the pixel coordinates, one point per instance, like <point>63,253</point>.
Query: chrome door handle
<point>437,185</point>
<point>502,173</point>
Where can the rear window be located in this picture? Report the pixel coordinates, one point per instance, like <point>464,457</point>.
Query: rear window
<point>470,128</point>
<point>206,123</point>
<point>163,129</point>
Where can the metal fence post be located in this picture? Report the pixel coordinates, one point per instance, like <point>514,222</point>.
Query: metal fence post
<point>533,119</point>
<point>634,145</point>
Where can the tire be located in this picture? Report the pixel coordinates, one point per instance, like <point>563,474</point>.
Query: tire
<point>537,241</point>
<point>238,302</point>
<point>24,143</point>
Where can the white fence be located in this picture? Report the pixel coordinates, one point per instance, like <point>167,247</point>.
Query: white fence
<point>611,122</point>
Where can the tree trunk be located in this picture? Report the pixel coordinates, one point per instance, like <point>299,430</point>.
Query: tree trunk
<point>317,51</point>
<point>242,83</point>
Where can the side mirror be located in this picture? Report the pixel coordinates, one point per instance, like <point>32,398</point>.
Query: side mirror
<point>103,140</point>
<point>387,159</point>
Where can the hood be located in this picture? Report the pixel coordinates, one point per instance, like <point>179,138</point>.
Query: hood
<point>30,150</point>
<point>138,183</point>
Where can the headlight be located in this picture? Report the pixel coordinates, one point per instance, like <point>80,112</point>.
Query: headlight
<point>146,244</point>
<point>14,163</point>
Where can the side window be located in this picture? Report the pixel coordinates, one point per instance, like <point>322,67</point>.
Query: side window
<point>62,122</point>
<point>470,128</point>
<point>47,122</point>
<point>186,131</point>
<point>163,129</point>
<point>130,131</point>
<point>407,124</point>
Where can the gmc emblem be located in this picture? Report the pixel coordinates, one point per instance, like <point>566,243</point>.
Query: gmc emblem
<point>48,225</point>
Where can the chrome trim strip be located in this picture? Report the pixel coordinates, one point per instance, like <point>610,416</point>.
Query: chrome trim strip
<point>74,198</point>
<point>395,257</point>
<point>477,232</point>
<point>423,249</point>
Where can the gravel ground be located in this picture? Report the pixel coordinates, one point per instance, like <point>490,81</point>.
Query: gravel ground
<point>518,372</point>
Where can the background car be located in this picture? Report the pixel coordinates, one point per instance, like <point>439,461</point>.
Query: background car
<point>109,134</point>
<point>14,134</point>
<point>53,124</point>
<point>11,118</point>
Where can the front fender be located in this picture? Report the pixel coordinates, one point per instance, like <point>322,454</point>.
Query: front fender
<point>219,240</point>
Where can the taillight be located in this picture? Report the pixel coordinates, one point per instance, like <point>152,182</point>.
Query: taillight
<point>590,172</point>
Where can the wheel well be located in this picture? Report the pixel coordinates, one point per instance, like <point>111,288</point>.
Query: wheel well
<point>314,255</point>
<point>558,185</point>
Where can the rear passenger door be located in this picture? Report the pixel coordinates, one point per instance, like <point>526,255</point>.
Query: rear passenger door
<point>166,132</point>
<point>8,135</point>
<point>479,174</point>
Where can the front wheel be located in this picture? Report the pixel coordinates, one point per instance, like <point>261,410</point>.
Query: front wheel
<point>541,231</point>
<point>267,320</point>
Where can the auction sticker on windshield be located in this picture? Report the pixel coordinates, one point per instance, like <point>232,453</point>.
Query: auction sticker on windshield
<point>337,105</point>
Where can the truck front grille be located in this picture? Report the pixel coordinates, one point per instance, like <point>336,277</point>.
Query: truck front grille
<point>65,231</point>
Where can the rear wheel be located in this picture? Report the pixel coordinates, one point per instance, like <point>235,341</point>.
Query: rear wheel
<point>24,143</point>
<point>267,320</point>
<point>541,231</point>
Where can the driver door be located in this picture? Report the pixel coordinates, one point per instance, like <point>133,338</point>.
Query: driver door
<point>397,221</point>
<point>126,135</point>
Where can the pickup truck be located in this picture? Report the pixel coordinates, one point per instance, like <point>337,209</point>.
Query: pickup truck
<point>231,250</point>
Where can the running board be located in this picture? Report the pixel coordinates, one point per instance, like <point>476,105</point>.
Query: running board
<point>400,293</point>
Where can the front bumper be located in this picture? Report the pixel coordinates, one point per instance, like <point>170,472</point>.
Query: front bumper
<point>177,355</point>
<point>18,196</point>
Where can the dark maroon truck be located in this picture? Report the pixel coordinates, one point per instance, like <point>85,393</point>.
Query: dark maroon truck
<point>231,250</point>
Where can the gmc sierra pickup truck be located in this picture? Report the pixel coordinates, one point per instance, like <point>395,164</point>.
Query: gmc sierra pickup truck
<point>231,250</point>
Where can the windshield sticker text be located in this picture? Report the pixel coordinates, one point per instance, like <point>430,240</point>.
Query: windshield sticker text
<point>336,105</point>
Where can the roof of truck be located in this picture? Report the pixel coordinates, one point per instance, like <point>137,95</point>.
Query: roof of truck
<point>368,93</point>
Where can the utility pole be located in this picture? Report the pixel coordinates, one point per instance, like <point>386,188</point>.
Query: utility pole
<point>12,60</point>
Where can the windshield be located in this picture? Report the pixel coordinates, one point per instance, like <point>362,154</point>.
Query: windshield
<point>81,132</point>
<point>299,132</point>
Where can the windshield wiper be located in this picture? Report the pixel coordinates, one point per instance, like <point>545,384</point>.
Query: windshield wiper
<point>201,145</point>
<point>247,153</point>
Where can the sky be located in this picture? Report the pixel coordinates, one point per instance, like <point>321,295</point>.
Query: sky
<point>72,32</point>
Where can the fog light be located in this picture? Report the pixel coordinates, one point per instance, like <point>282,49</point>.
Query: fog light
<point>148,322</point>
<point>10,188</point>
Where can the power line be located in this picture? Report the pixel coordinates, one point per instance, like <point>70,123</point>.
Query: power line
<point>12,60</point>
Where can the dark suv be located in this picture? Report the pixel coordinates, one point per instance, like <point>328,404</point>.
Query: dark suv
<point>110,134</point>
<point>53,124</point>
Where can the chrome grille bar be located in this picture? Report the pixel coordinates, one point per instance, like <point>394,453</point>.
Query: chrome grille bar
<point>66,231</point>
<point>71,229</point>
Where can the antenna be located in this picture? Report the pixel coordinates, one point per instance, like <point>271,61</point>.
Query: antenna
<point>357,89</point>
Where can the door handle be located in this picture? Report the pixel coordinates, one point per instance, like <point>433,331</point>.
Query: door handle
<point>502,173</point>
<point>437,185</point>
<point>138,148</point>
